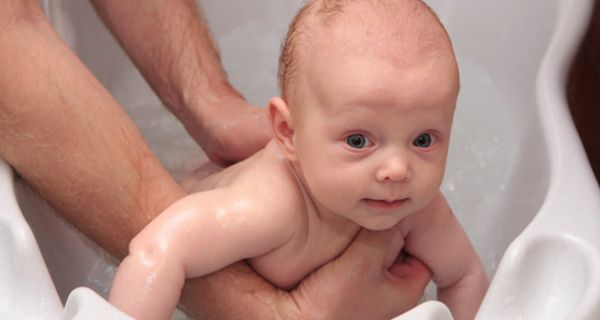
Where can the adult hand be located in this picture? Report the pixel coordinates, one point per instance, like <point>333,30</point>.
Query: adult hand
<point>231,131</point>
<point>182,65</point>
<point>364,283</point>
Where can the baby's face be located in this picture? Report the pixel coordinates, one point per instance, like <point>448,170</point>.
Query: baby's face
<point>373,135</point>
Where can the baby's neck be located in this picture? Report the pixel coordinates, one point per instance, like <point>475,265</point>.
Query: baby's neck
<point>329,219</point>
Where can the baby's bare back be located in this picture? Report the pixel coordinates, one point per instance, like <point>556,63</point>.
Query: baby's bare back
<point>269,177</point>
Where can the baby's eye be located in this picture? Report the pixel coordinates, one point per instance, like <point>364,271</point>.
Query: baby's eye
<point>358,141</point>
<point>423,141</point>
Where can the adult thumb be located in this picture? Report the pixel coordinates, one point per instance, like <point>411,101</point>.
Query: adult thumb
<point>378,248</point>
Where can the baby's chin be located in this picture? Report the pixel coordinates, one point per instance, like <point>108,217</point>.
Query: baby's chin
<point>379,223</point>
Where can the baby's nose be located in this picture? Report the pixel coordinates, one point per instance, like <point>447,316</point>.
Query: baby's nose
<point>394,169</point>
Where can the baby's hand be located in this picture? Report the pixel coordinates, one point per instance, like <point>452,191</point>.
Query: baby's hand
<point>464,297</point>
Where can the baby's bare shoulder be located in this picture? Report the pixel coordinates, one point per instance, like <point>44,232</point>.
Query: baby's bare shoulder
<point>263,184</point>
<point>271,179</point>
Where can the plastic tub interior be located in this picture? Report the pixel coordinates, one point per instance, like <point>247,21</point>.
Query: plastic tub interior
<point>517,175</point>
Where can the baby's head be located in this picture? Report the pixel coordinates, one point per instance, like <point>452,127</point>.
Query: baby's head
<point>368,94</point>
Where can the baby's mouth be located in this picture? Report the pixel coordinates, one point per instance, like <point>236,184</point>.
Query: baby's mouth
<point>385,204</point>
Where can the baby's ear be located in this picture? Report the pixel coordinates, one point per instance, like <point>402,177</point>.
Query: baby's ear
<point>283,127</point>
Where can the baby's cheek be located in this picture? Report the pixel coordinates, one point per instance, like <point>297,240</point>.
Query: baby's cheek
<point>434,178</point>
<point>426,193</point>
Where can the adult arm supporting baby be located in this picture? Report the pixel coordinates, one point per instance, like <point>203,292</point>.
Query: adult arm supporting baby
<point>172,47</point>
<point>354,286</point>
<point>366,282</point>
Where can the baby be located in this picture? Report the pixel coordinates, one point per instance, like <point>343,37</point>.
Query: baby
<point>361,137</point>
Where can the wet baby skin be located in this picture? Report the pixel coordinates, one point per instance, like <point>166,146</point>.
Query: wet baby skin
<point>361,143</point>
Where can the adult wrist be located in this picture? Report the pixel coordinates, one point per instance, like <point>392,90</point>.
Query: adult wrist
<point>202,110</point>
<point>202,104</point>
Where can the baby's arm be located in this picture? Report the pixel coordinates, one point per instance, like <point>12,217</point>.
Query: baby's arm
<point>197,235</point>
<point>436,237</point>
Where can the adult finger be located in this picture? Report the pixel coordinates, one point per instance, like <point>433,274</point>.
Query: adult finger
<point>411,268</point>
<point>373,250</point>
<point>410,273</point>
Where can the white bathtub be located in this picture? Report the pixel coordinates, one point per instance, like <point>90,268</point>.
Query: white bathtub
<point>517,174</point>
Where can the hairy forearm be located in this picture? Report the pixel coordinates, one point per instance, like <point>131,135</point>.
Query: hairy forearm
<point>72,142</point>
<point>64,133</point>
<point>171,45</point>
